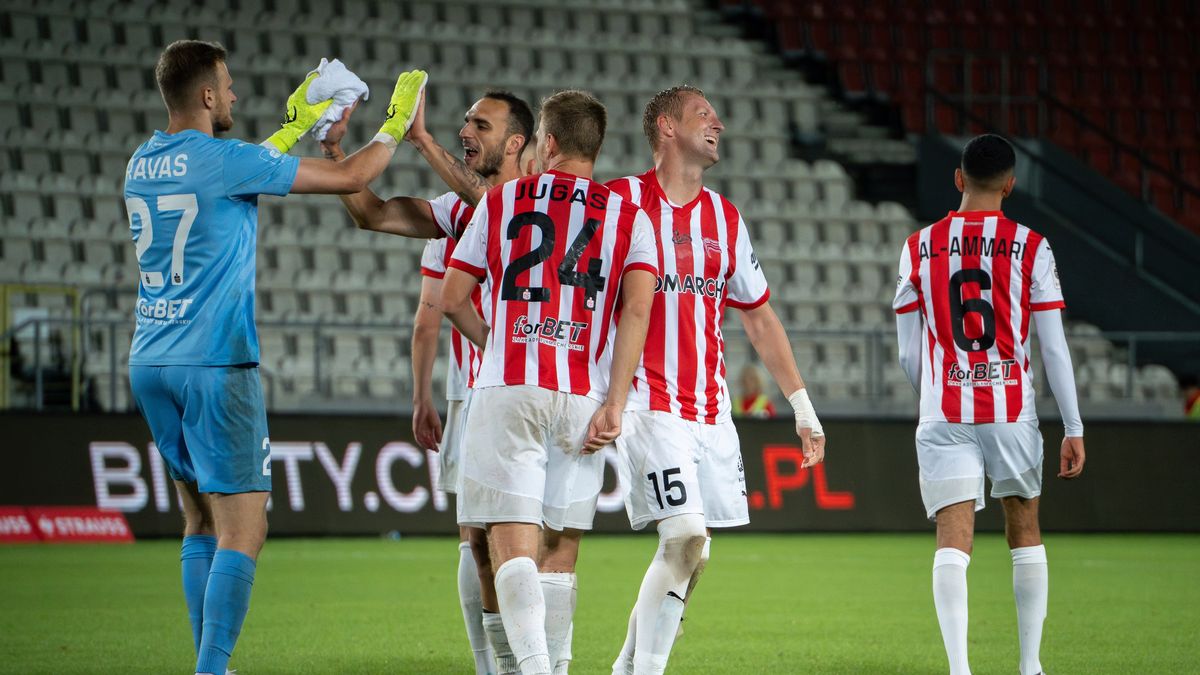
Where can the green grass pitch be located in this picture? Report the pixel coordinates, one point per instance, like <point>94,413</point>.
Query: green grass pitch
<point>767,604</point>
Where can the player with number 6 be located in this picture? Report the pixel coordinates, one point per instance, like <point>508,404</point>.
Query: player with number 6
<point>968,286</point>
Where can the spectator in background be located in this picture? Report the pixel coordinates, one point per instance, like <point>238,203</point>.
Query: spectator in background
<point>752,402</point>
<point>1189,386</point>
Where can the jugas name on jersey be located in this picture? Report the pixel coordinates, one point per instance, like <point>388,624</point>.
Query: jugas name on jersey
<point>986,374</point>
<point>550,332</point>
<point>560,193</point>
<point>985,247</point>
<point>687,283</point>
<point>163,311</point>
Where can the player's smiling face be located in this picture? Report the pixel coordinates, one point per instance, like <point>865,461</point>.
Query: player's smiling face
<point>700,129</point>
<point>483,136</point>
<point>222,111</point>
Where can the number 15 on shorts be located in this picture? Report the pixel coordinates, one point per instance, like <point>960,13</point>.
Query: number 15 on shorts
<point>668,486</point>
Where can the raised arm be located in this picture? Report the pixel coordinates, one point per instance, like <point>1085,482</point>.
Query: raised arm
<point>468,185</point>
<point>350,175</point>
<point>403,216</point>
<point>771,342</point>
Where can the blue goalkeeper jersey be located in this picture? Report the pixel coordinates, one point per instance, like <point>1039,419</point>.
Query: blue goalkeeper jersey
<point>193,213</point>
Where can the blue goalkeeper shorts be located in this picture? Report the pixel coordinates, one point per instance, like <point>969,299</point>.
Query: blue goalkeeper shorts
<point>209,423</point>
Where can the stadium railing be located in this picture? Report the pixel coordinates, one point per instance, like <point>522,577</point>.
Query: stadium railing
<point>851,371</point>
<point>1168,242</point>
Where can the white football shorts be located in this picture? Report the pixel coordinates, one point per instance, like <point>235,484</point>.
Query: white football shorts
<point>450,451</point>
<point>671,466</point>
<point>523,459</point>
<point>954,458</point>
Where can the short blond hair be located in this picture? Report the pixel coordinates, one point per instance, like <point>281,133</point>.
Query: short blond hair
<point>577,120</point>
<point>666,102</point>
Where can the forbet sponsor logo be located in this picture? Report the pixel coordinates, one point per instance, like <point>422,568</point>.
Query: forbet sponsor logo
<point>549,332</point>
<point>163,310</point>
<point>985,374</point>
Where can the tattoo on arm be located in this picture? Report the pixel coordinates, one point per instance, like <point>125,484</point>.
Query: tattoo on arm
<point>333,152</point>
<point>465,178</point>
<point>430,305</point>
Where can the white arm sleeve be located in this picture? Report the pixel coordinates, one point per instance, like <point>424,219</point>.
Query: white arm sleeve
<point>908,333</point>
<point>1057,360</point>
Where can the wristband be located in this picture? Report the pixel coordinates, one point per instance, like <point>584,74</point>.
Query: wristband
<point>806,416</point>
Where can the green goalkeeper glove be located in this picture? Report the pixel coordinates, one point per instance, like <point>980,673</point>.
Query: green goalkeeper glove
<point>402,108</point>
<point>298,117</point>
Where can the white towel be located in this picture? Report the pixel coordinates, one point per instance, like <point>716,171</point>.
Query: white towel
<point>334,81</point>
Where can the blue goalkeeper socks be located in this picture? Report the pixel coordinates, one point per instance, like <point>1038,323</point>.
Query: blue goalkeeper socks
<point>195,557</point>
<point>225,604</point>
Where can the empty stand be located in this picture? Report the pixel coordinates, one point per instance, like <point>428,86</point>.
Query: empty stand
<point>1116,87</point>
<point>77,96</point>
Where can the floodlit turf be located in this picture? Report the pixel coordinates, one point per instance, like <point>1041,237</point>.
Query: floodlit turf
<point>767,604</point>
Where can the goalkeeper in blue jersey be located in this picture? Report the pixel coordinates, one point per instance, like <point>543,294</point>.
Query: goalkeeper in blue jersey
<point>193,365</point>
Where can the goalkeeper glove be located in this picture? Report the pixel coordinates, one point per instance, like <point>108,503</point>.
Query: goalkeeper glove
<point>298,117</point>
<point>402,107</point>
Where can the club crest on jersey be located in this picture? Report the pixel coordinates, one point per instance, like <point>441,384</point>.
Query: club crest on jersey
<point>550,332</point>
<point>712,245</point>
<point>986,374</point>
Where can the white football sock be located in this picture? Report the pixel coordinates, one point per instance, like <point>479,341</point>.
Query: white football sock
<point>624,663</point>
<point>950,599</point>
<point>660,598</point>
<point>523,609</point>
<point>1031,587</point>
<point>559,590</point>
<point>506,663</point>
<point>687,599</point>
<point>471,601</point>
<point>563,664</point>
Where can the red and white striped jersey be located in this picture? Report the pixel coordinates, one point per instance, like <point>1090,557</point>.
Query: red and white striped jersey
<point>451,214</point>
<point>976,278</point>
<point>553,248</point>
<point>705,262</point>
<point>464,358</point>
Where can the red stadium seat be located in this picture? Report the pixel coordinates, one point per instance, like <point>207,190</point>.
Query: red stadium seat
<point>910,29</point>
<point>1163,191</point>
<point>1025,76</point>
<point>1100,158</point>
<point>850,73</point>
<point>966,31</point>
<point>1124,124</point>
<point>1122,79</point>
<point>1150,77</point>
<point>946,119</point>
<point>791,36</point>
<point>985,76</point>
<point>1064,129</point>
<point>1154,127</point>
<point>1089,80</point>
<point>947,75</point>
<point>881,71</point>
<point>913,114</point>
<point>938,31</point>
<point>820,36</point>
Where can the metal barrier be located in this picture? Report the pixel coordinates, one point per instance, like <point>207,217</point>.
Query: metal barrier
<point>852,372</point>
